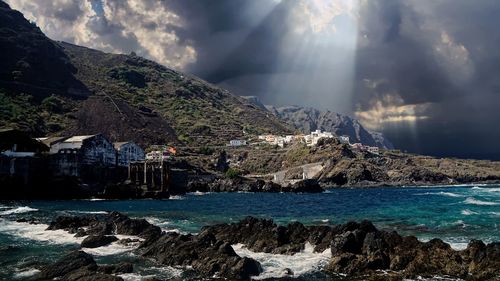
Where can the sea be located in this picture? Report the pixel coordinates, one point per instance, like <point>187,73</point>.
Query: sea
<point>455,214</point>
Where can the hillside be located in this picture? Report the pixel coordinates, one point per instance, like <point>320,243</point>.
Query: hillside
<point>70,89</point>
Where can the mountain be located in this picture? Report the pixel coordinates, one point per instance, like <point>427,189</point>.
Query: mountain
<point>56,88</point>
<point>307,119</point>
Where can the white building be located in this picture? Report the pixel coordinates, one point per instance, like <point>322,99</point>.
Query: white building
<point>313,138</point>
<point>344,139</point>
<point>373,149</point>
<point>237,142</point>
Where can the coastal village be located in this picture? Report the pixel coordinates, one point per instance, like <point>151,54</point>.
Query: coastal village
<point>93,158</point>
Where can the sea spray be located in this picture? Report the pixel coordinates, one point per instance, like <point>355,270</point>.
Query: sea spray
<point>277,265</point>
<point>38,232</point>
<point>18,210</point>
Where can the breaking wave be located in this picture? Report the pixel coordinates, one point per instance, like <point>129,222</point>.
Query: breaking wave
<point>448,194</point>
<point>37,232</point>
<point>473,201</point>
<point>116,247</point>
<point>468,212</point>
<point>18,210</point>
<point>276,266</point>
<point>26,273</point>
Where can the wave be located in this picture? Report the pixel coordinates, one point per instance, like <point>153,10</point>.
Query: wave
<point>115,248</point>
<point>448,194</point>
<point>468,212</point>
<point>199,193</point>
<point>135,277</point>
<point>38,232</point>
<point>473,201</point>
<point>26,273</point>
<point>486,189</point>
<point>18,210</point>
<point>497,214</point>
<point>163,224</point>
<point>152,272</point>
<point>88,212</point>
<point>176,197</point>
<point>276,266</point>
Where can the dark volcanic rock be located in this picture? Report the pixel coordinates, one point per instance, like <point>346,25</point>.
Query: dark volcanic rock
<point>80,266</point>
<point>89,275</point>
<point>94,241</point>
<point>307,186</point>
<point>358,249</point>
<point>361,249</point>
<point>204,253</point>
<point>123,267</point>
<point>71,262</point>
<point>110,224</point>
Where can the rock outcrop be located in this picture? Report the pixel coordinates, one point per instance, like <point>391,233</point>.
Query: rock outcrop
<point>357,249</point>
<point>360,249</point>
<point>95,241</point>
<point>204,253</point>
<point>100,227</point>
<point>80,266</point>
<point>248,185</point>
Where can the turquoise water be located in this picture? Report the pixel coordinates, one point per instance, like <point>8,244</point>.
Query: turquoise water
<point>454,214</point>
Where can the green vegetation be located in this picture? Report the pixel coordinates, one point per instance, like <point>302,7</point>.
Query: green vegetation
<point>232,173</point>
<point>297,154</point>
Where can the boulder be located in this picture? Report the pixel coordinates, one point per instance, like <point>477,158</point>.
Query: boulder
<point>306,186</point>
<point>71,262</point>
<point>95,241</point>
<point>204,253</point>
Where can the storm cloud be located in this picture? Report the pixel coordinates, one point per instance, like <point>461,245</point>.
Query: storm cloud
<point>425,73</point>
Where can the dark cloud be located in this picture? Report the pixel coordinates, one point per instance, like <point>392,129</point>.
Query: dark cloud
<point>442,54</point>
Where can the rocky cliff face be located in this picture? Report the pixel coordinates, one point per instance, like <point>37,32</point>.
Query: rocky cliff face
<point>308,119</point>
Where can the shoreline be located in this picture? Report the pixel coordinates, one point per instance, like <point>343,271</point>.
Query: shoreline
<point>240,248</point>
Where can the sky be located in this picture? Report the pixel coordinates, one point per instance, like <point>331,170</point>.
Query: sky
<point>426,73</point>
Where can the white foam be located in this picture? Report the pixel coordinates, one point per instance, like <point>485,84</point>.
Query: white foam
<point>473,201</point>
<point>163,225</point>
<point>448,194</point>
<point>468,212</point>
<point>18,210</point>
<point>199,193</point>
<point>486,189</point>
<point>165,270</point>
<point>134,276</point>
<point>38,232</point>
<point>274,266</point>
<point>26,273</point>
<point>176,197</point>
<point>88,212</point>
<point>115,248</point>
<point>435,278</point>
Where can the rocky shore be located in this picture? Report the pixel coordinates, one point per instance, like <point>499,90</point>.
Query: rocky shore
<point>357,250</point>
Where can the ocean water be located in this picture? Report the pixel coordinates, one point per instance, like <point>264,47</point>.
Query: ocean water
<point>455,214</point>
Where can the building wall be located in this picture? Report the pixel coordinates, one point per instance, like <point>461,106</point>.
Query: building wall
<point>98,150</point>
<point>129,152</point>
